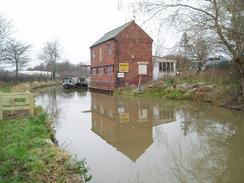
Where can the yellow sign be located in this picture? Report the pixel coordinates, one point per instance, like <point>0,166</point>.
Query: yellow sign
<point>123,67</point>
<point>124,117</point>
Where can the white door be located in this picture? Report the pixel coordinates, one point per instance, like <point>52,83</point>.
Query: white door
<point>155,73</point>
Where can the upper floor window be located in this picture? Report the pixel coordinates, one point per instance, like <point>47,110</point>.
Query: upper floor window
<point>100,55</point>
<point>110,49</point>
<point>93,53</point>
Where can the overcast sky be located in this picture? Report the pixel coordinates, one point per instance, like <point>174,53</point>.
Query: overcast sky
<point>76,23</point>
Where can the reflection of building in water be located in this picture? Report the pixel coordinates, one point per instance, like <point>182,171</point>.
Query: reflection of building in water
<point>126,124</point>
<point>121,124</point>
<point>130,138</point>
<point>163,115</point>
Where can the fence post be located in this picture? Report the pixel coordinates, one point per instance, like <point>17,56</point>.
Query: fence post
<point>31,103</point>
<point>12,102</point>
<point>1,106</point>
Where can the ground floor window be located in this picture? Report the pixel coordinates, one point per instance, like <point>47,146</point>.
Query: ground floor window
<point>102,70</point>
<point>166,67</point>
<point>110,69</point>
<point>94,71</point>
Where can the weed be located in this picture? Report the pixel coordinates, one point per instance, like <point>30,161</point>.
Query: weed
<point>175,94</point>
<point>169,82</point>
<point>81,168</point>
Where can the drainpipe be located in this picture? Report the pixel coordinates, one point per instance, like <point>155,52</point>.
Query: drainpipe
<point>117,59</point>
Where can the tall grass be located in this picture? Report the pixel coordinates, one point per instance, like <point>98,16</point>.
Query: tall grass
<point>212,76</point>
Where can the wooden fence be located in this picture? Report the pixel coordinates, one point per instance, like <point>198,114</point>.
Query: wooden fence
<point>16,101</point>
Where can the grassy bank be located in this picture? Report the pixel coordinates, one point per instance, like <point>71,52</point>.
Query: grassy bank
<point>224,92</point>
<point>4,87</point>
<point>28,155</point>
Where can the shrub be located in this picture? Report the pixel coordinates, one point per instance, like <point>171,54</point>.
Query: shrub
<point>175,94</point>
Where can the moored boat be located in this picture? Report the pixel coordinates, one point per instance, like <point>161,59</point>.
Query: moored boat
<point>70,83</point>
<point>81,82</point>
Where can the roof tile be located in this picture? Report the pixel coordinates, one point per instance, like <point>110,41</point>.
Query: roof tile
<point>112,34</point>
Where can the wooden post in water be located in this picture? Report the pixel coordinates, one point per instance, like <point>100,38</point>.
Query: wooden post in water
<point>1,106</point>
<point>31,103</point>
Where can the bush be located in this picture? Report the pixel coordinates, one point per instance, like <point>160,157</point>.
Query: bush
<point>175,94</point>
<point>168,82</point>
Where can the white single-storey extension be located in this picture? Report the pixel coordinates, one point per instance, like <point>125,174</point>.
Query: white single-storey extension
<point>163,68</point>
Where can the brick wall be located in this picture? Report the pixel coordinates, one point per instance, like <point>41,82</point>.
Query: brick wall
<point>135,46</point>
<point>103,58</point>
<point>132,46</point>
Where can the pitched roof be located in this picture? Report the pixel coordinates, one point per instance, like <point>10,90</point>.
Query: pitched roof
<point>112,34</point>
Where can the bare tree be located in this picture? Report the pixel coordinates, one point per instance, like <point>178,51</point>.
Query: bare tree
<point>221,22</point>
<point>201,49</point>
<point>5,31</point>
<point>17,53</point>
<point>185,46</point>
<point>50,54</point>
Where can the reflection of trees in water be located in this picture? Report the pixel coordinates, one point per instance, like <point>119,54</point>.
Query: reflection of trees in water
<point>193,162</point>
<point>44,91</point>
<point>159,136</point>
<point>52,108</point>
<point>56,101</point>
<point>136,177</point>
<point>209,149</point>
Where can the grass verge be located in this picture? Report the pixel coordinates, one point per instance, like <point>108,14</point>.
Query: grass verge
<point>26,154</point>
<point>28,86</point>
<point>5,89</point>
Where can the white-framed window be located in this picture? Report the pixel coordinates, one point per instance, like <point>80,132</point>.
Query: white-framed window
<point>110,69</point>
<point>166,67</point>
<point>142,69</point>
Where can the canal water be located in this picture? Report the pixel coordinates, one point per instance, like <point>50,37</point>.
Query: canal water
<point>141,140</point>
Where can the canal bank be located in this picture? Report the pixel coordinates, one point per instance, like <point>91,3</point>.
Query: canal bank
<point>28,151</point>
<point>27,86</point>
<point>223,95</point>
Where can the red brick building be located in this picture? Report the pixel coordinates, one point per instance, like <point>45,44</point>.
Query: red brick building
<point>121,57</point>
